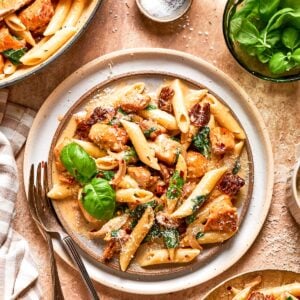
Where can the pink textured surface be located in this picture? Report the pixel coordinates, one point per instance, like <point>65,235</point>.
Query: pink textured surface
<point>118,26</point>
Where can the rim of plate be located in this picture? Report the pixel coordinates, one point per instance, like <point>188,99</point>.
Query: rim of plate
<point>144,287</point>
<point>57,54</point>
<point>245,274</point>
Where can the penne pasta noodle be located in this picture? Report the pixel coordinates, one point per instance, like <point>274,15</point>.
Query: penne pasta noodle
<point>162,256</point>
<point>187,138</point>
<point>212,237</point>
<point>193,97</point>
<point>9,68</point>
<point>180,111</point>
<point>61,11</point>
<point>27,36</point>
<point>133,195</point>
<point>113,224</point>
<point>243,294</point>
<point>44,51</point>
<point>107,163</point>
<point>204,187</point>
<point>1,64</point>
<point>74,13</point>
<point>161,117</point>
<point>136,237</point>
<point>224,117</point>
<point>144,152</point>
<point>293,288</point>
<point>90,148</point>
<point>61,191</point>
<point>14,23</point>
<point>238,148</point>
<point>127,182</point>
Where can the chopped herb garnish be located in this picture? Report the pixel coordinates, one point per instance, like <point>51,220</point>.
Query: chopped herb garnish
<point>115,233</point>
<point>151,106</point>
<point>201,141</point>
<point>236,167</point>
<point>175,187</point>
<point>14,55</point>
<point>148,132</point>
<point>130,155</point>
<point>199,235</point>
<point>171,238</point>
<point>121,111</point>
<point>108,175</point>
<point>199,200</point>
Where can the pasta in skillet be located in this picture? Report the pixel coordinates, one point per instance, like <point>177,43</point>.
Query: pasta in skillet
<point>32,30</point>
<point>160,172</point>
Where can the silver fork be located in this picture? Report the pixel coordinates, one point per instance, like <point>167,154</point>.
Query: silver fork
<point>52,225</point>
<point>57,290</point>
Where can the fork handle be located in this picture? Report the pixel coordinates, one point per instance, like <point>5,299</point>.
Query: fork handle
<point>70,247</point>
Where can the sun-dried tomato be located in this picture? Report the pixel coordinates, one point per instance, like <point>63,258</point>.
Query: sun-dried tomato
<point>101,114</point>
<point>200,114</point>
<point>231,184</point>
<point>257,296</point>
<point>82,130</point>
<point>165,97</point>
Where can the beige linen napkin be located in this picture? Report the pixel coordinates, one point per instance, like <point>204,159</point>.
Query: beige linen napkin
<point>18,272</point>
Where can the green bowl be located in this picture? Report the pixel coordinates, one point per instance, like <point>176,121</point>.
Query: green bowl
<point>250,63</point>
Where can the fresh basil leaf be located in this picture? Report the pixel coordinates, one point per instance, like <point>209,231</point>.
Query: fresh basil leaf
<point>278,63</point>
<point>201,141</point>
<point>296,55</point>
<point>99,199</point>
<point>278,19</point>
<point>171,238</point>
<point>290,38</point>
<point>151,106</point>
<point>264,57</point>
<point>272,38</point>
<point>268,7</point>
<point>175,186</point>
<point>248,34</point>
<point>14,55</point>
<point>199,235</point>
<point>78,163</point>
<point>107,175</point>
<point>245,8</point>
<point>290,3</point>
<point>235,26</point>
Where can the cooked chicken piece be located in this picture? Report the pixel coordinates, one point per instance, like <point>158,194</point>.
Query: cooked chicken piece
<point>222,140</point>
<point>141,175</point>
<point>1,64</point>
<point>7,41</point>
<point>151,129</point>
<point>112,247</point>
<point>165,172</point>
<point>256,296</point>
<point>108,137</point>
<point>166,149</point>
<point>197,164</point>
<point>166,220</point>
<point>9,6</point>
<point>222,217</point>
<point>37,15</point>
<point>134,102</point>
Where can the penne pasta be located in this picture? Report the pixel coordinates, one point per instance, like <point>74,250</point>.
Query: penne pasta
<point>133,195</point>
<point>212,237</point>
<point>224,117</point>
<point>14,23</point>
<point>91,149</point>
<point>243,294</point>
<point>161,256</point>
<point>41,53</point>
<point>9,68</point>
<point>136,237</point>
<point>145,154</point>
<point>193,97</point>
<point>61,11</point>
<point>27,36</point>
<point>127,182</point>
<point>293,288</point>
<point>238,148</point>
<point>180,111</point>
<point>61,191</point>
<point>204,187</point>
<point>74,13</point>
<point>1,64</point>
<point>161,117</point>
<point>107,163</point>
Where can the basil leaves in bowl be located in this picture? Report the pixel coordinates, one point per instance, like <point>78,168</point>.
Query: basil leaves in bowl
<point>264,37</point>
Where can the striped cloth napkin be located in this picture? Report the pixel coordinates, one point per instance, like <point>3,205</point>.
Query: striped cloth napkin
<point>18,272</point>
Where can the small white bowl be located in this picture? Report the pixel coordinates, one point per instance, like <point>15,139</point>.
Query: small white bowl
<point>293,198</point>
<point>174,15</point>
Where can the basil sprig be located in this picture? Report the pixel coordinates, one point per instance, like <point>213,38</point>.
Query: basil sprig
<point>78,163</point>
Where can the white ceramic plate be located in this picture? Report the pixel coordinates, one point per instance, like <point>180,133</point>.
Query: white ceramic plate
<point>162,60</point>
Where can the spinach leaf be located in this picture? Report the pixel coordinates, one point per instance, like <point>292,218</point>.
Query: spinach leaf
<point>148,132</point>
<point>99,199</point>
<point>130,156</point>
<point>107,175</point>
<point>154,232</point>
<point>14,55</point>
<point>78,163</point>
<point>175,186</point>
<point>199,235</point>
<point>236,167</point>
<point>268,7</point>
<point>278,63</point>
<point>171,238</point>
<point>198,202</point>
<point>138,211</point>
<point>248,33</point>
<point>290,38</point>
<point>190,219</point>
<point>296,55</point>
<point>121,111</point>
<point>201,141</point>
<point>151,106</point>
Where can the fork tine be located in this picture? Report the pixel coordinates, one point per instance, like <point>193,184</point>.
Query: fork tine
<point>45,185</point>
<point>39,183</point>
<point>31,194</point>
